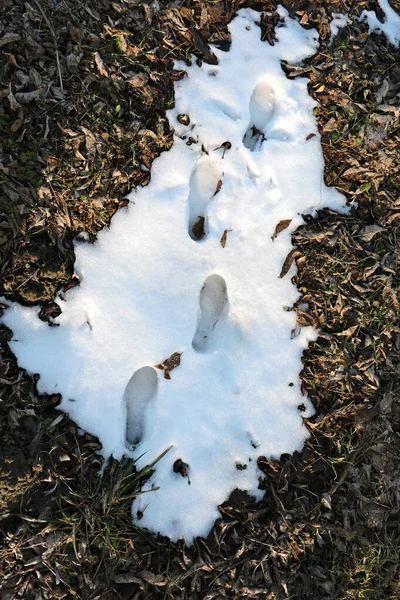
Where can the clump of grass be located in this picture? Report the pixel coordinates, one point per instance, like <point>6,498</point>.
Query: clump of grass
<point>99,503</point>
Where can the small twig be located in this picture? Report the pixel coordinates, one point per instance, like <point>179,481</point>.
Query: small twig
<point>55,42</point>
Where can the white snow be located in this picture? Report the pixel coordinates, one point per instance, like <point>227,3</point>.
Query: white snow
<point>338,22</point>
<point>390,28</point>
<point>150,288</point>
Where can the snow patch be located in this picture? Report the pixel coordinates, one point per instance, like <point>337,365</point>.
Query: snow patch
<point>391,26</point>
<point>159,283</point>
<point>338,22</point>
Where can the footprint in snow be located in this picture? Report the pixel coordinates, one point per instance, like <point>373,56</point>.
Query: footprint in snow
<point>213,301</point>
<point>140,390</point>
<point>262,108</point>
<point>205,183</point>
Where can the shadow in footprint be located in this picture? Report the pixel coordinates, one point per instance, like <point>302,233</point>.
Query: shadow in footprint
<point>205,182</point>
<point>262,107</point>
<point>213,300</point>
<point>140,390</point>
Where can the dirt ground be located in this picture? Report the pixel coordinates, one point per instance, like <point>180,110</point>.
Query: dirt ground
<point>84,87</point>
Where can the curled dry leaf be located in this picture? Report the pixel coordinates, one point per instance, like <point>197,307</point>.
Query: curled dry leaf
<point>170,364</point>
<point>293,254</point>
<point>100,65</point>
<point>348,332</point>
<point>282,225</point>
<point>224,236</point>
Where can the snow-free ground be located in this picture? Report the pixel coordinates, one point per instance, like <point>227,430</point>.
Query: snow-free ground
<point>246,157</point>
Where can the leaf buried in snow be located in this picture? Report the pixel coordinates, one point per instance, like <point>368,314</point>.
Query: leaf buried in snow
<point>282,225</point>
<point>224,236</point>
<point>170,364</point>
<point>183,119</point>
<point>181,467</point>
<point>293,254</point>
<point>198,228</point>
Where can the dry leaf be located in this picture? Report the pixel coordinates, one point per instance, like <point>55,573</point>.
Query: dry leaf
<point>349,332</point>
<point>138,81</point>
<point>293,254</point>
<point>153,579</point>
<point>170,364</point>
<point>224,236</point>
<point>219,186</point>
<point>13,103</point>
<point>8,38</point>
<point>331,125</point>
<point>100,65</point>
<point>370,231</point>
<point>282,225</point>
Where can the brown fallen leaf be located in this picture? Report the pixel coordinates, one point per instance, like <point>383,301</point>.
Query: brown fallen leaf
<point>310,135</point>
<point>293,254</point>
<point>100,65</point>
<point>170,364</point>
<point>224,236</point>
<point>218,188</point>
<point>198,228</point>
<point>370,231</point>
<point>282,225</point>
<point>138,80</point>
<point>200,43</point>
<point>331,125</point>
<point>348,332</point>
